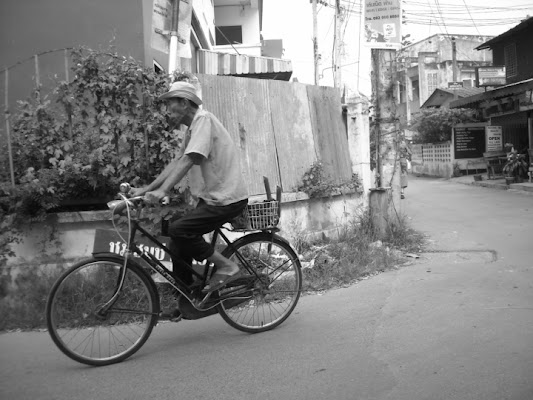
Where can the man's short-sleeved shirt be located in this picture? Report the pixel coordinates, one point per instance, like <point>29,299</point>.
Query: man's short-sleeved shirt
<point>218,179</point>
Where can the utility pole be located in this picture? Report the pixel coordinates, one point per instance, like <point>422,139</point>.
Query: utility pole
<point>384,70</point>
<point>315,41</point>
<point>454,67</point>
<point>173,48</point>
<point>338,44</point>
<point>408,90</point>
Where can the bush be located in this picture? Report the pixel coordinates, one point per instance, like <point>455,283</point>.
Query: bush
<point>315,183</point>
<point>435,125</point>
<point>89,135</point>
<point>102,128</point>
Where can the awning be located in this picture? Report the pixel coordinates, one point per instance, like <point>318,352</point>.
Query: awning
<point>213,63</point>
<point>504,91</point>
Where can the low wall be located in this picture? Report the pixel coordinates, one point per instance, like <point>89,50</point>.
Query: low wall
<point>66,238</point>
<point>439,160</point>
<point>433,159</point>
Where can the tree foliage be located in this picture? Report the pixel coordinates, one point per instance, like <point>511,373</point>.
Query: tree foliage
<point>435,125</point>
<point>86,137</point>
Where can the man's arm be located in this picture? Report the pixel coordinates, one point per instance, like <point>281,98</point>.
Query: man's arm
<point>183,165</point>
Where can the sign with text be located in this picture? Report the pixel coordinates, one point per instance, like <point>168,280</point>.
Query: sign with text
<point>455,85</point>
<point>469,141</point>
<point>490,76</point>
<point>161,23</point>
<point>383,24</point>
<point>162,26</point>
<point>494,138</point>
<point>109,241</point>
<point>184,28</point>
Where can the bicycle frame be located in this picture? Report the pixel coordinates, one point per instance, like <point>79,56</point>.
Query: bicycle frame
<point>175,282</point>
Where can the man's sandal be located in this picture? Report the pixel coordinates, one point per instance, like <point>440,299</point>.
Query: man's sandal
<point>219,280</point>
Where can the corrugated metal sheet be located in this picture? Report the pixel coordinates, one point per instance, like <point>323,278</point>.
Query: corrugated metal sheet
<point>293,131</point>
<point>213,63</point>
<point>331,138</point>
<point>242,106</point>
<point>281,128</point>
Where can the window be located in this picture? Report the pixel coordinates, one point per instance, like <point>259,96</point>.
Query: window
<point>433,82</point>
<point>511,65</point>
<point>228,35</point>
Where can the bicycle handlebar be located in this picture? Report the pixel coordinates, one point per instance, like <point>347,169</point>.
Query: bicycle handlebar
<point>117,206</point>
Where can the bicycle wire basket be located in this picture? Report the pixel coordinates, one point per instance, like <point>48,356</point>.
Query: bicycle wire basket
<point>258,216</point>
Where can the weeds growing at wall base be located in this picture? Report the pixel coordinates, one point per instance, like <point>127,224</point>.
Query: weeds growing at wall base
<point>358,253</point>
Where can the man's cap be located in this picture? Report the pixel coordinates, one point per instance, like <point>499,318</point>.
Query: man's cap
<point>182,90</point>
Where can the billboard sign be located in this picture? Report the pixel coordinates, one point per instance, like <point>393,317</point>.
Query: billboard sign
<point>490,76</point>
<point>383,24</point>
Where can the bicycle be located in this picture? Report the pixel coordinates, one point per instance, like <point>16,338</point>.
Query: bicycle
<point>103,309</point>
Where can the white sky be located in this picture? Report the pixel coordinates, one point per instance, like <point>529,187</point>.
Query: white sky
<point>292,21</point>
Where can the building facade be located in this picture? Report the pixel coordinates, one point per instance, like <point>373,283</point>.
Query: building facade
<point>510,106</point>
<point>133,28</point>
<point>428,65</point>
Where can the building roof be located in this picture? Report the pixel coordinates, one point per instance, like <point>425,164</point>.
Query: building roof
<point>438,97</point>
<point>525,24</point>
<point>504,91</point>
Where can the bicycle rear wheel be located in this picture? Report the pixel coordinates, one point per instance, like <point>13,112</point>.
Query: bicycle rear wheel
<point>274,295</point>
<point>93,338</point>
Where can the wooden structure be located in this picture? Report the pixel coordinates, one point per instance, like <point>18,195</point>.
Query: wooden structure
<point>495,161</point>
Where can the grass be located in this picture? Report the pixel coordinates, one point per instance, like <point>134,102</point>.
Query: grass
<point>357,253</point>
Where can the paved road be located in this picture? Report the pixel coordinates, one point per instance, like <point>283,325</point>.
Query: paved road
<point>455,325</point>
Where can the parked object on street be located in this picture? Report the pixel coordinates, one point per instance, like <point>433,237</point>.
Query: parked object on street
<point>516,166</point>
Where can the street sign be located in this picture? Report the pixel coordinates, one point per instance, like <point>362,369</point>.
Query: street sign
<point>383,24</point>
<point>490,76</point>
<point>455,85</point>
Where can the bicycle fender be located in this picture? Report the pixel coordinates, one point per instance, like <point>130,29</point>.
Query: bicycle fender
<point>262,234</point>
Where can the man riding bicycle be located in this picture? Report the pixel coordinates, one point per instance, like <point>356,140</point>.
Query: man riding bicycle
<point>210,158</point>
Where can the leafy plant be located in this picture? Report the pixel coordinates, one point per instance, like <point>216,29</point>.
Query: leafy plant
<point>316,183</point>
<point>88,135</point>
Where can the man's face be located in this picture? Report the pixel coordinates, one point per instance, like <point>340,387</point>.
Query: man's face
<point>178,107</point>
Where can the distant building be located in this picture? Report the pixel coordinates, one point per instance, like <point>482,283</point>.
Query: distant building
<point>509,106</point>
<point>427,65</point>
<point>442,97</point>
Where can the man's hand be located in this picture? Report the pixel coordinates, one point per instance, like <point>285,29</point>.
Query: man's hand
<point>155,196</point>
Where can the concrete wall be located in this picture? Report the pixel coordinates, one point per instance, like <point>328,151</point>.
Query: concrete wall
<point>66,238</point>
<point>33,26</point>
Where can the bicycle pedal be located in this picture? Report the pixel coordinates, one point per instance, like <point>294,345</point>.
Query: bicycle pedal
<point>173,315</point>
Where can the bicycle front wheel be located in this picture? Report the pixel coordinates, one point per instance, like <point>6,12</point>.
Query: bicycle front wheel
<point>275,292</point>
<point>80,328</point>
